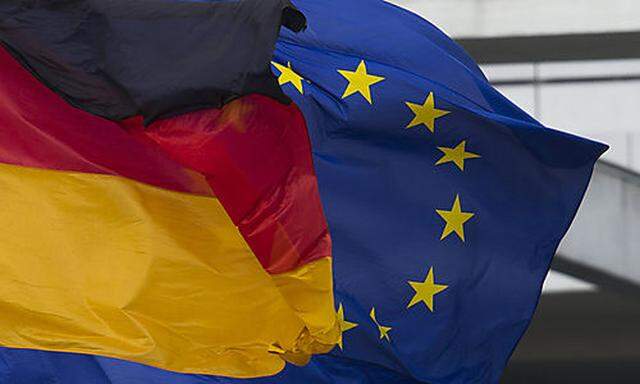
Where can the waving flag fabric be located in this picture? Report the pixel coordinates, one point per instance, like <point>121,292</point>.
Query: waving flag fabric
<point>113,246</point>
<point>118,58</point>
<point>444,201</point>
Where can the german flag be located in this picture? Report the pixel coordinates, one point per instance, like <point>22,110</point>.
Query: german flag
<point>159,203</point>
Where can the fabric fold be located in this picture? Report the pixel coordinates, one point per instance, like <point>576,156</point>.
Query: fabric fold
<point>155,58</point>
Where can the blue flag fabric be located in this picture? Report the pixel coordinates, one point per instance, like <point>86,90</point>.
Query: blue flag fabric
<point>445,202</point>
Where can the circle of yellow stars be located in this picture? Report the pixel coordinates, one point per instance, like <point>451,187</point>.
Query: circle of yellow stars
<point>427,114</point>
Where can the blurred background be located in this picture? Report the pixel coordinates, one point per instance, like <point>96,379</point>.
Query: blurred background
<point>575,66</point>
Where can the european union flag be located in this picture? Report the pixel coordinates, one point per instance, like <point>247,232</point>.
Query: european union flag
<point>445,203</point>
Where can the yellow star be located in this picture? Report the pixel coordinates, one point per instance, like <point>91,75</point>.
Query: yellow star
<point>456,155</point>
<point>359,81</point>
<point>287,75</point>
<point>384,331</point>
<point>425,291</point>
<point>454,219</point>
<point>426,113</point>
<point>343,324</point>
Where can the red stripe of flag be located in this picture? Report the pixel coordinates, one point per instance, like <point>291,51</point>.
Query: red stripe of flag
<point>255,154</point>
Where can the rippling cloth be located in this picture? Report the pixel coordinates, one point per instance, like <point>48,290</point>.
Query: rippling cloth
<point>120,58</point>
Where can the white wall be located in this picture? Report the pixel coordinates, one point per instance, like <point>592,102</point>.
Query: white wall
<point>490,18</point>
